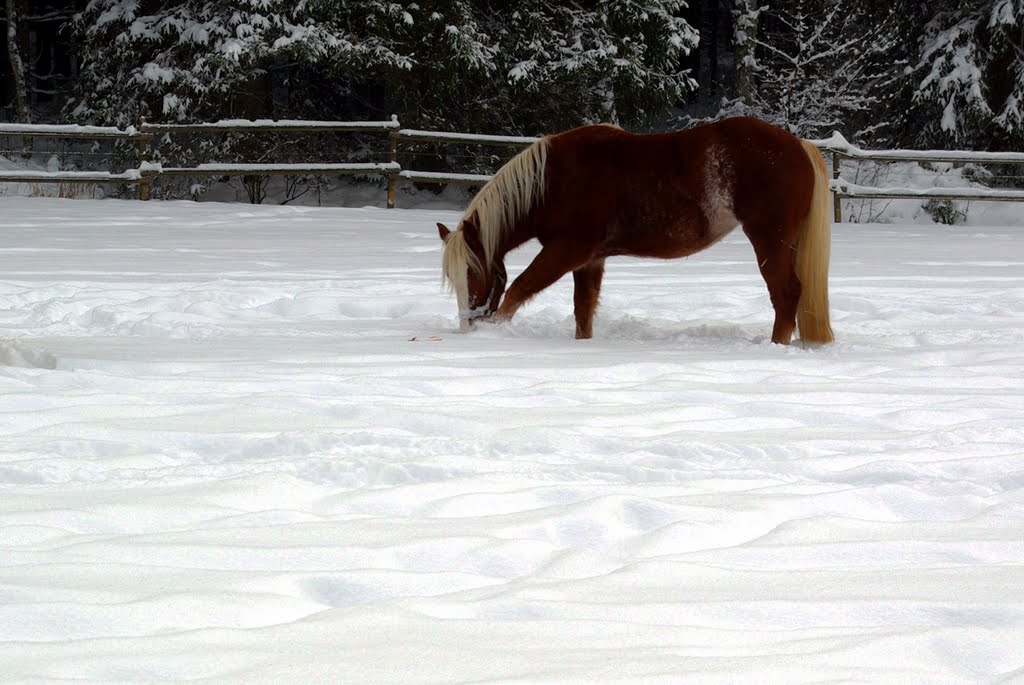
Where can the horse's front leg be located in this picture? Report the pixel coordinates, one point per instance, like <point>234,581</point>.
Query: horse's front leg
<point>551,263</point>
<point>586,291</point>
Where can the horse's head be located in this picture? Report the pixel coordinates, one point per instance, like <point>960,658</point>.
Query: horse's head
<point>478,285</point>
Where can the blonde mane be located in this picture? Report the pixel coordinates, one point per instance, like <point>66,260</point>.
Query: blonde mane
<point>509,196</point>
<point>455,260</point>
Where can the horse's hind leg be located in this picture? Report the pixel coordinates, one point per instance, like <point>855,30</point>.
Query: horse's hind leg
<point>587,289</point>
<point>776,258</point>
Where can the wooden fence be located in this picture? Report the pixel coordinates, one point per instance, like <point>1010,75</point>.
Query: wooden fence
<point>840,149</point>
<point>147,172</point>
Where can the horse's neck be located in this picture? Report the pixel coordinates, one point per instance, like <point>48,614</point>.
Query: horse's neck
<point>511,238</point>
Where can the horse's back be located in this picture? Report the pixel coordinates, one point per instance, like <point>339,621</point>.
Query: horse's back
<point>674,193</point>
<point>620,191</point>
<point>758,152</point>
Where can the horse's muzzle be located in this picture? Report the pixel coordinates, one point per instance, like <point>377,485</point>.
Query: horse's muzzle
<point>469,320</point>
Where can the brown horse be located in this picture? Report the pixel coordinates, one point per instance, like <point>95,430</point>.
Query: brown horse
<point>598,191</point>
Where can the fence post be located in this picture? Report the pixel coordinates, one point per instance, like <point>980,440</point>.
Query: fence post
<point>392,175</point>
<point>836,200</point>
<point>146,179</point>
<point>145,182</point>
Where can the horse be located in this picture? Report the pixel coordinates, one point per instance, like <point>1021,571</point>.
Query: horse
<point>598,191</point>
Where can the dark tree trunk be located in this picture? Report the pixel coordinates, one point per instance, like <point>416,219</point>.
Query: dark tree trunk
<point>713,25</point>
<point>17,63</point>
<point>745,37</point>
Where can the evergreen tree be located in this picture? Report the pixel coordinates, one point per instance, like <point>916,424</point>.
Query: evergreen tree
<point>968,83</point>
<point>463,64</point>
<point>440,59</point>
<point>617,61</point>
<point>747,15</point>
<point>1006,92</point>
<point>191,60</point>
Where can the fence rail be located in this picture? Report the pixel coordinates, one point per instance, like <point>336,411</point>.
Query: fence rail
<point>843,188</point>
<point>470,138</point>
<point>393,172</point>
<point>218,169</point>
<point>272,126</point>
<point>129,176</point>
<point>72,132</point>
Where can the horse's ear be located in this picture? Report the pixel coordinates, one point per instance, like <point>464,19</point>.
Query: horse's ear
<point>443,231</point>
<point>471,234</point>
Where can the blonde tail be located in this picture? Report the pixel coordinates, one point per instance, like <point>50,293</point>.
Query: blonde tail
<point>812,255</point>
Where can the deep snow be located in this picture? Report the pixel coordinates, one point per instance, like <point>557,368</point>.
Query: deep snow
<point>224,456</point>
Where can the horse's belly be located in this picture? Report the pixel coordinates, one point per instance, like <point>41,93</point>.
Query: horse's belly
<point>674,239</point>
<point>668,249</point>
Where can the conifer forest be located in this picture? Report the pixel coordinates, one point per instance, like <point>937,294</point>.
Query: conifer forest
<point>914,73</point>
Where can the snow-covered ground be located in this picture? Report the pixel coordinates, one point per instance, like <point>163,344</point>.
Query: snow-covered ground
<point>243,444</point>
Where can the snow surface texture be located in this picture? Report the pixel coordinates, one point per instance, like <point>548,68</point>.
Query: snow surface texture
<point>224,456</point>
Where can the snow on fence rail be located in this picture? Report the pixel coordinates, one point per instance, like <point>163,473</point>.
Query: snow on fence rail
<point>838,144</point>
<point>271,125</point>
<point>220,169</point>
<point>144,176</point>
<point>72,131</point>
<point>29,176</point>
<point>843,188</point>
<point>472,138</point>
<point>443,177</point>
